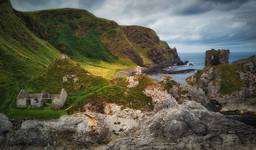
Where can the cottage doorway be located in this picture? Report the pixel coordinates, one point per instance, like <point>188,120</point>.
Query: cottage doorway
<point>28,102</point>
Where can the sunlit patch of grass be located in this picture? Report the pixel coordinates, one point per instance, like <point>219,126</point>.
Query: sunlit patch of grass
<point>105,69</point>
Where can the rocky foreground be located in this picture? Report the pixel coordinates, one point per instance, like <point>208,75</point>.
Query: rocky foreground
<point>188,125</point>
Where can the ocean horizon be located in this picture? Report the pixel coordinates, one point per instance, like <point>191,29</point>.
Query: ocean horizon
<point>198,61</point>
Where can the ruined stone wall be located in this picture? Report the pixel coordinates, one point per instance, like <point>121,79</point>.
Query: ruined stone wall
<point>216,57</point>
<point>58,102</point>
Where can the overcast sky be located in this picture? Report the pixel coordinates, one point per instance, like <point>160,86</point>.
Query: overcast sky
<point>188,25</point>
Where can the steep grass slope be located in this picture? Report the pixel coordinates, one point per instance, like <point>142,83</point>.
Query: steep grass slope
<point>74,32</point>
<point>22,55</point>
<point>81,35</point>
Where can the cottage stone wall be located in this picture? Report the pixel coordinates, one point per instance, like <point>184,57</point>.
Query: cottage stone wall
<point>37,100</point>
<point>21,103</point>
<point>58,102</point>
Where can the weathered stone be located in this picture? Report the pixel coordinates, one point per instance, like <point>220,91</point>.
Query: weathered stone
<point>30,136</point>
<point>216,57</point>
<point>161,98</point>
<point>188,126</point>
<point>132,82</point>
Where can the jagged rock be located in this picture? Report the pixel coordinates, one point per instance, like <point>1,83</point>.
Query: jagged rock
<point>216,57</point>
<point>160,97</point>
<point>156,50</point>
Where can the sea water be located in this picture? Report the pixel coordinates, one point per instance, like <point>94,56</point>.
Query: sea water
<point>198,61</point>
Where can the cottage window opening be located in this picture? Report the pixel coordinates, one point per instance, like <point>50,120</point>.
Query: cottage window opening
<point>36,100</point>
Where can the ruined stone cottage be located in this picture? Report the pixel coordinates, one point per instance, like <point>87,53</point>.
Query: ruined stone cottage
<point>216,57</point>
<point>37,100</point>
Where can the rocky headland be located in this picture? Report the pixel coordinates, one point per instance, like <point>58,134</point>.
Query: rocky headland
<point>230,88</point>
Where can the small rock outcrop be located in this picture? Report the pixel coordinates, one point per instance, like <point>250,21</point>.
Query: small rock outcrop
<point>231,85</point>
<point>216,57</point>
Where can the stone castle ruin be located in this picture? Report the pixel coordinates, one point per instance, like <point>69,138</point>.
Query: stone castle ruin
<point>37,100</point>
<point>216,57</point>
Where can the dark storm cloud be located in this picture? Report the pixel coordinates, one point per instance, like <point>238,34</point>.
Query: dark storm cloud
<point>187,24</point>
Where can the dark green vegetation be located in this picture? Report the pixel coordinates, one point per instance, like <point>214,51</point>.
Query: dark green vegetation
<point>230,79</point>
<point>230,74</point>
<point>76,33</point>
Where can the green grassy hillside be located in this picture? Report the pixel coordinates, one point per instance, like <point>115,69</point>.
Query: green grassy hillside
<point>22,55</point>
<point>74,32</point>
<point>82,35</point>
<point>85,38</point>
